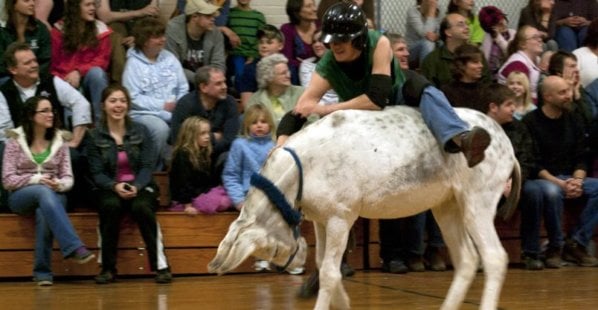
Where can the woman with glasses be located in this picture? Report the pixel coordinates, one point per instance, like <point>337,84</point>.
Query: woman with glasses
<point>524,51</point>
<point>37,171</point>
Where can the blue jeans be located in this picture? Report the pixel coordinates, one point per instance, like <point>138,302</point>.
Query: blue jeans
<point>569,38</point>
<point>159,131</point>
<point>94,83</point>
<point>51,220</point>
<point>540,198</point>
<point>418,51</point>
<point>238,62</point>
<point>441,118</point>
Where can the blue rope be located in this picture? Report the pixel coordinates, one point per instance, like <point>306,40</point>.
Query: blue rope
<point>300,168</point>
<point>290,215</point>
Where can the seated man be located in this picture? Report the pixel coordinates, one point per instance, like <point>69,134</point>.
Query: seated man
<point>561,158</point>
<point>352,49</point>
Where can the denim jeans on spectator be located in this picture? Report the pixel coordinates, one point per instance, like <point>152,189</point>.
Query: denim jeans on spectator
<point>51,220</point>
<point>569,38</point>
<point>159,131</point>
<point>540,198</point>
<point>94,83</point>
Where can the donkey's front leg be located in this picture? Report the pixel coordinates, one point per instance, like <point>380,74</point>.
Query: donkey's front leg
<point>331,289</point>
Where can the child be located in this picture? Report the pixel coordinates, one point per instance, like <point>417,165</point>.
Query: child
<point>517,81</point>
<point>248,152</point>
<point>270,41</point>
<point>245,22</point>
<point>193,181</point>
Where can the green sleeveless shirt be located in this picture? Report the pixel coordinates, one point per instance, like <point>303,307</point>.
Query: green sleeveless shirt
<point>348,89</point>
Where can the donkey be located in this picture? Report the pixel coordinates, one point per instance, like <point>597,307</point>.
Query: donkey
<point>376,164</point>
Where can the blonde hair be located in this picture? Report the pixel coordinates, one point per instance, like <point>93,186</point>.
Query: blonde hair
<point>199,156</point>
<point>252,114</point>
<point>518,76</point>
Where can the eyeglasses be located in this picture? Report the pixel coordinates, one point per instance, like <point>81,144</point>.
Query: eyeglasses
<point>46,111</point>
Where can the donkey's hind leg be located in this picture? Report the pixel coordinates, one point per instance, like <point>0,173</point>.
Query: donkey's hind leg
<point>461,249</point>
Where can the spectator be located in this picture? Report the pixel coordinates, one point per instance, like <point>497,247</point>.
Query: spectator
<point>22,64</point>
<point>561,156</point>
<point>572,20</point>
<point>194,185</point>
<point>519,84</point>
<point>275,90</point>
<point>524,51</point>
<point>402,240</point>
<point>539,14</point>
<point>22,26</point>
<point>232,39</point>
<point>194,40</point>
<point>298,34</point>
<point>465,88</point>
<point>49,11</point>
<point>587,56</point>
<point>535,203</point>
<point>81,50</point>
<point>465,8</point>
<point>454,32</point>
<point>121,160</point>
<point>270,41</point>
<point>155,80</point>
<point>497,37</point>
<point>308,66</point>
<point>422,24</point>
<point>121,15</point>
<point>211,102</point>
<point>245,22</point>
<point>36,172</point>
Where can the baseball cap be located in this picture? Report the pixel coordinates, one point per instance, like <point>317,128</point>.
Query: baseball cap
<point>200,6</point>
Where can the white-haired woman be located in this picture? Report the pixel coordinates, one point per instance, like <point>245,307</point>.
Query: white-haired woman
<point>274,86</point>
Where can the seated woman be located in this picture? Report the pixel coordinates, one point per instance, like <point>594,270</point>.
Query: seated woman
<point>465,90</point>
<point>275,89</point>
<point>421,33</point>
<point>121,160</point>
<point>22,26</point>
<point>539,14</point>
<point>37,171</point>
<point>194,183</point>
<point>497,37</point>
<point>156,81</point>
<point>298,34</point>
<point>81,50</point>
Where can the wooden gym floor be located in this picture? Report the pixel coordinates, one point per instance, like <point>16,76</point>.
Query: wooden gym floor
<point>566,288</point>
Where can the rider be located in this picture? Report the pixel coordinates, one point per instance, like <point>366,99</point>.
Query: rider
<point>361,68</point>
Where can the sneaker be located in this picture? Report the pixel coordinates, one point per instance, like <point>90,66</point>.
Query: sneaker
<point>416,264</point>
<point>296,271</point>
<point>394,266</point>
<point>82,255</point>
<point>261,265</point>
<point>105,277</point>
<point>532,262</point>
<point>473,145</point>
<point>553,258</point>
<point>346,270</point>
<point>44,283</point>
<point>577,253</point>
<point>434,260</point>
<point>163,276</point>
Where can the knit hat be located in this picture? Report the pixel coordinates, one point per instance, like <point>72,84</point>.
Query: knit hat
<point>200,6</point>
<point>489,17</point>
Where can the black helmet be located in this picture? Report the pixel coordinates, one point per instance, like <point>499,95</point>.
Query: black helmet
<point>344,22</point>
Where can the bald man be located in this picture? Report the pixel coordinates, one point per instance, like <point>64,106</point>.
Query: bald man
<point>561,158</point>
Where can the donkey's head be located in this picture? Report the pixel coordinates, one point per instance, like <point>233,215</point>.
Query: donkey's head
<point>261,231</point>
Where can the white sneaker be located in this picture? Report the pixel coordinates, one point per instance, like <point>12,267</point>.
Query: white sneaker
<point>296,271</point>
<point>261,265</point>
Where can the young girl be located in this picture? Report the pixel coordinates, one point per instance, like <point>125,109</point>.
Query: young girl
<point>37,172</point>
<point>121,160</point>
<point>81,50</point>
<point>517,81</point>
<point>193,181</point>
<point>248,152</point>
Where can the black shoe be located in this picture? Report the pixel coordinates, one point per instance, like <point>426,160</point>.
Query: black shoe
<point>394,266</point>
<point>434,260</point>
<point>473,145</point>
<point>577,253</point>
<point>346,270</point>
<point>553,258</point>
<point>105,277</point>
<point>416,264</point>
<point>532,262</point>
<point>163,276</point>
